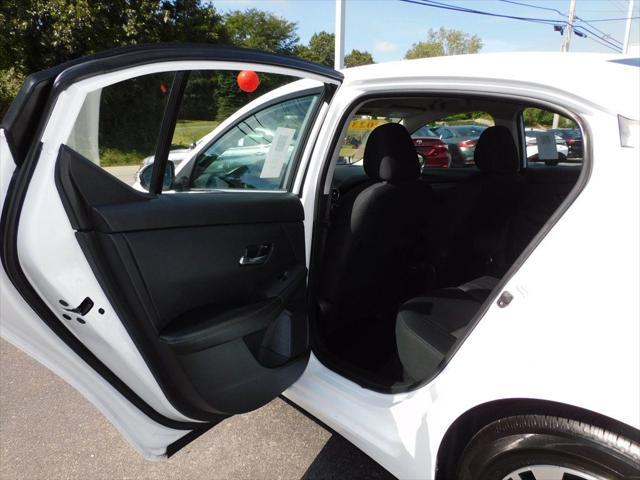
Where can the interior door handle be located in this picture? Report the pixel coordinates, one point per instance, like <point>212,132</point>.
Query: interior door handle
<point>256,254</point>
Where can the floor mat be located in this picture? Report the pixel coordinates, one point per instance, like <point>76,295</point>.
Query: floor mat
<point>371,347</point>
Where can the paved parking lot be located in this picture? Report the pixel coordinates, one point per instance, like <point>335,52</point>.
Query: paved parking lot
<point>126,173</point>
<point>48,431</point>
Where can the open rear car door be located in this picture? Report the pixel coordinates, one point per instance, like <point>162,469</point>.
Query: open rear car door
<point>170,311</point>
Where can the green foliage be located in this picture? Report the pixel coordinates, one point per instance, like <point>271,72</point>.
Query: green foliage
<point>38,34</point>
<point>465,118</point>
<point>112,157</point>
<point>261,30</point>
<point>131,112</point>
<point>10,83</point>
<point>253,29</point>
<point>356,58</point>
<point>320,49</point>
<point>444,42</point>
<point>198,100</point>
<point>538,118</point>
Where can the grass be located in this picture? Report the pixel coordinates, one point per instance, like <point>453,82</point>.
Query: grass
<point>187,132</point>
<point>112,157</point>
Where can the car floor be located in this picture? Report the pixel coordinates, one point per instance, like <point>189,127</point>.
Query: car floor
<point>369,348</point>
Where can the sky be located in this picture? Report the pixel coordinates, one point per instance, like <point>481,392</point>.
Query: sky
<point>388,28</point>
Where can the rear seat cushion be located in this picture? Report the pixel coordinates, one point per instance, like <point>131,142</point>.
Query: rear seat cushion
<point>427,327</point>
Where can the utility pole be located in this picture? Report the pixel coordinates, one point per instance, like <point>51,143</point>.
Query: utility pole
<point>339,46</point>
<point>566,43</point>
<point>566,38</point>
<point>627,30</point>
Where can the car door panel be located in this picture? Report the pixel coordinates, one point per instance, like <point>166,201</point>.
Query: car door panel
<point>188,306</point>
<point>172,265</point>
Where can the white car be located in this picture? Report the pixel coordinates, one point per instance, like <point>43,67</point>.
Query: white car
<point>473,323</point>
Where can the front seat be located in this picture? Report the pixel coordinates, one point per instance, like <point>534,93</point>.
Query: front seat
<point>375,228</point>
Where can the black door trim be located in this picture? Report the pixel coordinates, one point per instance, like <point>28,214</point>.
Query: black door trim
<point>24,124</point>
<point>9,254</point>
<point>167,129</point>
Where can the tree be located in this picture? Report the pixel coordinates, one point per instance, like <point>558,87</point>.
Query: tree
<point>37,34</point>
<point>445,42</point>
<point>261,30</point>
<point>321,50</point>
<point>357,57</point>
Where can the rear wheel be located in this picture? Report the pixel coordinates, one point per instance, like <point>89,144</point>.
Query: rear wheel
<point>537,447</point>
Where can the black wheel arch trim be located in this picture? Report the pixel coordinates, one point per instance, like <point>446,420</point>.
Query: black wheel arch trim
<point>466,426</point>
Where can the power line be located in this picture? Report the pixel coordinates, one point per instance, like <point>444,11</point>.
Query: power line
<point>611,19</point>
<point>456,8</point>
<point>544,21</point>
<point>588,22</point>
<point>604,34</point>
<point>535,6</point>
<point>601,41</point>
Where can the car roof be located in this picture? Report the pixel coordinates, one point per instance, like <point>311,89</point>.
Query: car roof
<point>581,74</point>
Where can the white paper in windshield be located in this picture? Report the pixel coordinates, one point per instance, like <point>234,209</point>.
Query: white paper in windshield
<point>547,149</point>
<point>278,153</point>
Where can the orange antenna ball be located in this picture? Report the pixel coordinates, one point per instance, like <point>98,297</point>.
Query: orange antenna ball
<point>248,80</point>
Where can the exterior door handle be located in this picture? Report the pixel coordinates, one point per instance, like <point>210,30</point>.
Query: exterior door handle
<point>256,254</point>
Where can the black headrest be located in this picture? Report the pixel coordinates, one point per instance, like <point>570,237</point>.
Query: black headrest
<point>496,152</point>
<point>390,155</point>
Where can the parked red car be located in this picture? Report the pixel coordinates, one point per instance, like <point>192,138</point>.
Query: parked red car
<point>433,151</point>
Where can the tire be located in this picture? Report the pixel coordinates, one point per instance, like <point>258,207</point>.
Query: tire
<point>538,447</point>
<point>552,163</point>
<point>457,159</point>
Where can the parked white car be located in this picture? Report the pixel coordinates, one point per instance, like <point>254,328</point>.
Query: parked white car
<point>476,323</point>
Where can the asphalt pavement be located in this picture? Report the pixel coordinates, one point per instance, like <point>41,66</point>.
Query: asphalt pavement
<point>49,431</point>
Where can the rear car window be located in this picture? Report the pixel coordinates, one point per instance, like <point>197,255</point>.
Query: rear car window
<point>551,139</point>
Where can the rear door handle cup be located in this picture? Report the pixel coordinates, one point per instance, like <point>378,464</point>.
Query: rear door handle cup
<point>256,254</point>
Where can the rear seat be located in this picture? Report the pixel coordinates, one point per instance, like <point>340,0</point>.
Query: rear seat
<point>428,326</point>
<point>467,237</point>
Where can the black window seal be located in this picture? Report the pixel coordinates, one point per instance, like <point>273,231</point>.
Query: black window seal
<point>167,129</point>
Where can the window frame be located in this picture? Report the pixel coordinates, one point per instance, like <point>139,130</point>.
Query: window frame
<point>523,134</point>
<point>322,96</point>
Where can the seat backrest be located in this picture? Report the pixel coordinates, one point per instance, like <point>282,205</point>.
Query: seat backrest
<point>470,230</point>
<point>543,190</point>
<point>375,229</point>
